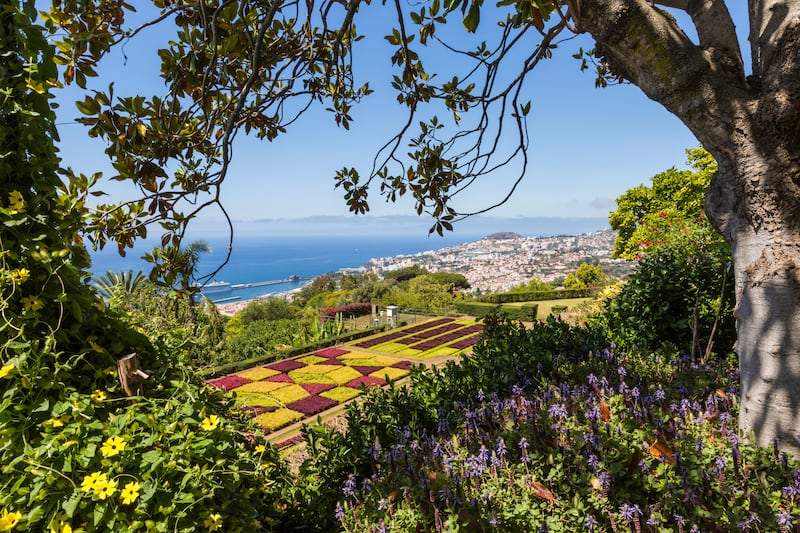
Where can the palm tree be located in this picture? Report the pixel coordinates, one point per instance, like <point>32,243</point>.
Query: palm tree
<point>115,284</point>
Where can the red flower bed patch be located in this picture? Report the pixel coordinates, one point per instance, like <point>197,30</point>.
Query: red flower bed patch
<point>291,440</point>
<point>280,378</point>
<point>331,361</point>
<point>312,405</point>
<point>465,343</point>
<point>405,365</point>
<point>369,343</point>
<point>366,381</point>
<point>229,382</point>
<point>330,352</point>
<point>286,365</point>
<point>316,388</point>
<point>366,370</point>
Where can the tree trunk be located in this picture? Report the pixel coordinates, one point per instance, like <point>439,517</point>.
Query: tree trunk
<point>760,220</point>
<point>750,125</point>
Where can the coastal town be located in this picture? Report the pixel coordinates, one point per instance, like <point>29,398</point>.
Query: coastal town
<point>503,260</point>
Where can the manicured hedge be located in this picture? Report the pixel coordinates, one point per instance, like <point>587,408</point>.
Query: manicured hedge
<point>532,296</point>
<point>236,366</point>
<point>479,309</point>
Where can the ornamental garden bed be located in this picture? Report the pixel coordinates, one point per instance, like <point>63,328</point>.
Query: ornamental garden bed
<point>284,392</point>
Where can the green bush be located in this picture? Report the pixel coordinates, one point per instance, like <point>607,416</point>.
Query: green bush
<point>532,296</point>
<point>524,313</point>
<point>657,304</point>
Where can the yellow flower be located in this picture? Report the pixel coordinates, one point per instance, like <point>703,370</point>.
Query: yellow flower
<point>70,443</point>
<point>9,520</point>
<point>20,275</point>
<point>6,370</point>
<point>55,422</point>
<point>99,396</point>
<point>210,422</point>
<point>112,446</point>
<point>213,521</point>
<point>60,524</point>
<point>130,492</point>
<point>32,303</point>
<point>104,489</point>
<point>16,203</point>
<point>90,482</point>
<point>261,448</point>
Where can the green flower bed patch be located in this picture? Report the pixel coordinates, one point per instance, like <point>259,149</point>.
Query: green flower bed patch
<point>391,347</point>
<point>244,399</point>
<point>311,359</point>
<point>303,378</point>
<point>341,394</point>
<point>438,352</point>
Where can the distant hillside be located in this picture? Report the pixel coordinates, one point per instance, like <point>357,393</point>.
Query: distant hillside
<point>503,235</point>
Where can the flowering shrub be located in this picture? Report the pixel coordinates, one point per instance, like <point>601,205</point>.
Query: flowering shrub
<point>605,442</point>
<point>357,309</point>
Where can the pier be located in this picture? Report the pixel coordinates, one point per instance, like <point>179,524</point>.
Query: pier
<point>271,282</point>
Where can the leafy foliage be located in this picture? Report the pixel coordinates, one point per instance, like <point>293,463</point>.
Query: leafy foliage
<point>675,300</point>
<point>670,212</point>
<point>77,454</point>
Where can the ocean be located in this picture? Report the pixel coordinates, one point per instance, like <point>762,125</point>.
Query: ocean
<point>257,259</point>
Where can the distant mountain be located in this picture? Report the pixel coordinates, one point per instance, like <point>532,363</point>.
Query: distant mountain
<point>477,226</point>
<point>503,235</point>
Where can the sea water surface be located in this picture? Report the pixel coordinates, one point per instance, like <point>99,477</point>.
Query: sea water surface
<point>257,259</point>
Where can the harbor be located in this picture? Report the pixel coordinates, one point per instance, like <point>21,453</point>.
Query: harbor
<point>221,292</point>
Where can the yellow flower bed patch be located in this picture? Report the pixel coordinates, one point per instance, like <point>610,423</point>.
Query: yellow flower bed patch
<point>389,373</point>
<point>319,369</point>
<point>341,394</point>
<point>257,373</point>
<point>311,359</point>
<point>261,386</point>
<point>300,377</point>
<point>277,419</point>
<point>344,374</point>
<point>290,393</point>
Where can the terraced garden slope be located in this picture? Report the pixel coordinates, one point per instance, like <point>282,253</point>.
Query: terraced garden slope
<point>287,391</point>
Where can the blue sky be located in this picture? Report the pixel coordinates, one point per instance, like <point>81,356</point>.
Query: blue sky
<point>588,145</point>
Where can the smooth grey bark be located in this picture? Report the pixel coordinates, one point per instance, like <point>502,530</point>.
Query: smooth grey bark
<point>752,127</point>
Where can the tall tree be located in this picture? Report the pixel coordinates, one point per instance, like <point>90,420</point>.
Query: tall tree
<point>234,66</point>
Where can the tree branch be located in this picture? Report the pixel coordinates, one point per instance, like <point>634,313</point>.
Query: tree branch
<point>646,46</point>
<point>717,32</point>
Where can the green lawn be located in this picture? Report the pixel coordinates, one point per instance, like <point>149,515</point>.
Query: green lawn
<point>546,306</point>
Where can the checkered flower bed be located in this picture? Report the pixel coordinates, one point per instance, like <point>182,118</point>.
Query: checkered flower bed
<point>285,392</point>
<point>434,338</point>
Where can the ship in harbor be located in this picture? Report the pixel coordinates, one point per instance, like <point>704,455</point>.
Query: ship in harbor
<point>216,287</point>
